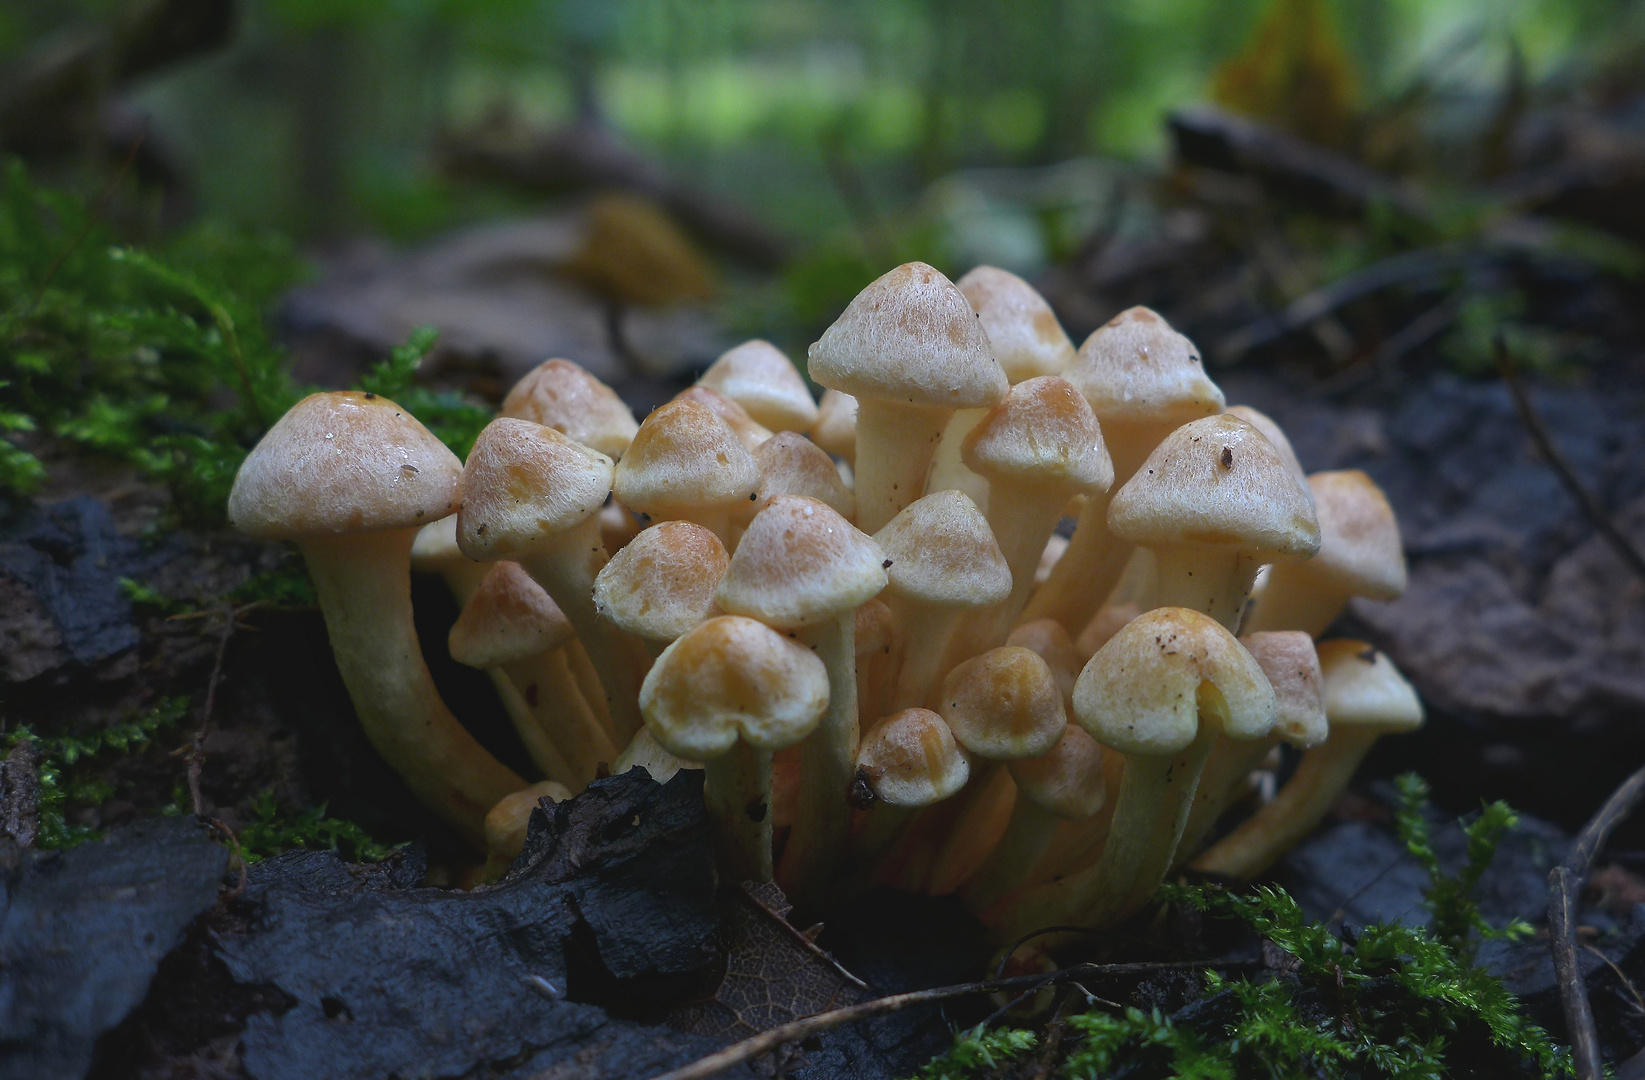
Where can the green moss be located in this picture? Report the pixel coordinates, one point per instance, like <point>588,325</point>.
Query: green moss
<point>311,830</point>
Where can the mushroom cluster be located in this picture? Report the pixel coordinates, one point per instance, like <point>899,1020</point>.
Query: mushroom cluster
<point>856,615</point>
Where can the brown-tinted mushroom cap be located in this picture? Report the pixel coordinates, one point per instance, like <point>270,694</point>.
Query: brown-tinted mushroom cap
<point>1289,660</point>
<point>662,583</point>
<point>343,462</point>
<point>523,484</point>
<point>685,457</point>
<point>912,760</point>
<point>910,337</point>
<point>757,376</point>
<point>1274,434</point>
<point>749,432</point>
<point>561,395</point>
<point>836,427</point>
<point>1004,705</point>
<point>1136,368</point>
<point>1022,329</point>
<point>800,563</point>
<point>1043,432</point>
<point>1047,638</point>
<point>1217,482</point>
<point>941,551</point>
<point>1067,782</point>
<point>1359,538</point>
<point>508,618</point>
<point>791,464</point>
<point>732,678</point>
<point>1364,689</point>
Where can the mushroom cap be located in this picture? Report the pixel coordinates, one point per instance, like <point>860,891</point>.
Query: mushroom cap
<point>1364,689</point>
<point>731,678</point>
<point>1022,329</point>
<point>836,427</point>
<point>523,484</point>
<point>645,752</point>
<point>757,376</point>
<point>876,629</point>
<point>508,618</point>
<point>940,550</point>
<point>1067,782</point>
<point>561,395</point>
<point>662,582</point>
<point>1047,638</point>
<point>910,337</point>
<point>911,759</point>
<point>1289,660</point>
<point>799,563</point>
<point>1274,434</point>
<point>507,823</point>
<point>685,457</point>
<point>1145,691</point>
<point>1044,432</point>
<point>1136,368</point>
<point>791,464</point>
<point>1217,482</point>
<point>343,462</point>
<point>1004,704</point>
<point>749,432</point>
<point>1359,537</point>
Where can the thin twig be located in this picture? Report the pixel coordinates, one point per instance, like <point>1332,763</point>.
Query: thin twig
<point>750,893</point>
<point>798,1030</point>
<point>1565,883</point>
<point>197,745</point>
<point>1562,468</point>
<point>91,222</point>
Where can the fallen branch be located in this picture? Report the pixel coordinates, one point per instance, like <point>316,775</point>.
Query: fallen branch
<point>1565,883</point>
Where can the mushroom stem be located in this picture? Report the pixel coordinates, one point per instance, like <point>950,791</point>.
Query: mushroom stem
<point>828,765</point>
<point>882,827</point>
<point>895,444</point>
<point>1299,807</point>
<point>548,690</point>
<point>1027,838</point>
<point>566,569</point>
<point>1216,581</point>
<point>737,792</point>
<point>363,582</point>
<point>926,630</point>
<point>1023,517</point>
<point>1230,763</point>
<point>543,748</point>
<point>1296,598</point>
<point>1087,572</point>
<point>588,684</point>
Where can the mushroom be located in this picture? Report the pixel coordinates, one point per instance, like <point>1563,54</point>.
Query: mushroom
<point>1002,706</point>
<point>1047,638</point>
<point>508,822</point>
<point>1054,547</point>
<point>836,427</point>
<point>617,526</point>
<point>1365,698</point>
<point>435,551</point>
<point>1213,502</point>
<point>561,395</point>
<point>686,464</point>
<point>351,477</point>
<point>1292,666</point>
<point>1274,434</point>
<point>1143,380</point>
<point>645,752</point>
<point>1359,555</point>
<point>662,584</point>
<point>1066,784</point>
<point>533,495</point>
<point>941,562</point>
<point>804,569</point>
<point>757,376</point>
<point>905,764</point>
<point>792,464</point>
<point>911,351</point>
<point>513,630</point>
<point>728,694</point>
<point>878,645</point>
<point>1159,692</point>
<point>749,432</point>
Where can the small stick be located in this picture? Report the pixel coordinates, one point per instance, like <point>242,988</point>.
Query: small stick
<point>1562,468</point>
<point>1565,883</point>
<point>197,745</point>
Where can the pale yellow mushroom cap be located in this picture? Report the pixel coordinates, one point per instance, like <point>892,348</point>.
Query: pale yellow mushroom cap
<point>1004,704</point>
<point>1048,638</point>
<point>1146,689</point>
<point>733,678</point>
<point>343,462</point>
<point>1044,432</point>
<point>1217,482</point>
<point>436,546</point>
<point>1135,368</point>
<point>1274,434</point>
<point>757,376</point>
<point>799,563</point>
<point>508,822</point>
<point>912,760</point>
<point>1068,781</point>
<point>910,337</point>
<point>876,630</point>
<point>1289,660</point>
<point>1022,329</point>
<point>561,395</point>
<point>508,618</point>
<point>1359,538</point>
<point>749,432</point>
<point>1364,689</point>
<point>791,464</point>
<point>662,582</point>
<point>940,550</point>
<point>836,427</point>
<point>523,484</point>
<point>685,458</point>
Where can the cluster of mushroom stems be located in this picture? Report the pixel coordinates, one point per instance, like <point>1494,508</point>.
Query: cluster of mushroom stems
<point>858,616</point>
